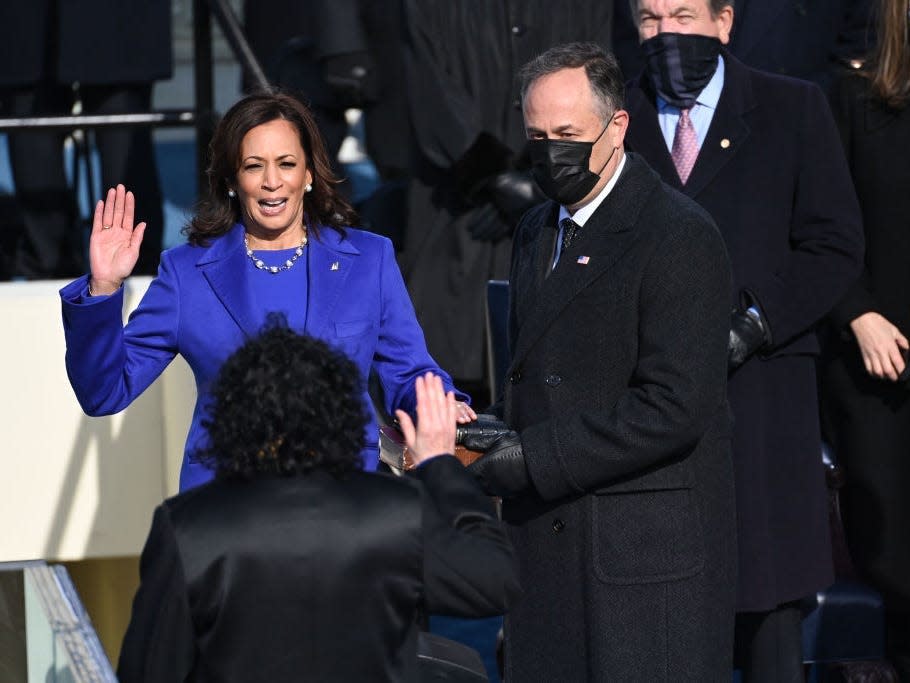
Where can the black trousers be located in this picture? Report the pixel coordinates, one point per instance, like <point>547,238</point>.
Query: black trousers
<point>51,242</point>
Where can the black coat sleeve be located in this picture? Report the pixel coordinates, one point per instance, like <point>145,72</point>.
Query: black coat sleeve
<point>469,568</point>
<point>159,643</point>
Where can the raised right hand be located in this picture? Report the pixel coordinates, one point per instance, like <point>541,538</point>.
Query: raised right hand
<point>435,431</point>
<point>114,243</point>
<point>880,344</point>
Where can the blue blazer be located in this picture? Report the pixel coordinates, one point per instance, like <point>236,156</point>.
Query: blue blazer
<point>200,306</point>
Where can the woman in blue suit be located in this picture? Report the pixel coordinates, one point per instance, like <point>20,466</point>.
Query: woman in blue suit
<point>272,236</point>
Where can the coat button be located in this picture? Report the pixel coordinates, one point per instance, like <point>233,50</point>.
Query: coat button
<point>518,30</point>
<point>558,525</point>
<point>554,380</point>
<point>515,377</point>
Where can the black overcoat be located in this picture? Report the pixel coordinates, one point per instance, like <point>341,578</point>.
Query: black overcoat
<point>461,60</point>
<point>772,174</point>
<point>312,578</point>
<point>617,387</point>
<point>95,42</point>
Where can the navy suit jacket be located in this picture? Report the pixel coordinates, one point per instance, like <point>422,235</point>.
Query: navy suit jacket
<point>201,307</point>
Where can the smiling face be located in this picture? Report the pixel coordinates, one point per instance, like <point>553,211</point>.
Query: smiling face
<point>271,182</point>
<point>684,16</point>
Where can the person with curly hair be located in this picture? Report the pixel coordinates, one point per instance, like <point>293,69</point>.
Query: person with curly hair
<point>272,235</point>
<point>295,564</point>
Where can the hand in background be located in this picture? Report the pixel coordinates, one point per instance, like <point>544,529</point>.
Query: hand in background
<point>746,337</point>
<point>114,242</point>
<point>436,411</point>
<point>881,345</point>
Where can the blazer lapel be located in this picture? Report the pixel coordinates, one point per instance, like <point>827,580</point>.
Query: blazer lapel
<point>225,268</point>
<point>603,241</point>
<point>331,260</point>
<point>644,135</point>
<point>728,130</point>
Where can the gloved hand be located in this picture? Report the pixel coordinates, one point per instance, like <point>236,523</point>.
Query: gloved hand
<point>513,193</point>
<point>352,77</point>
<point>502,471</point>
<point>747,335</point>
<point>480,434</point>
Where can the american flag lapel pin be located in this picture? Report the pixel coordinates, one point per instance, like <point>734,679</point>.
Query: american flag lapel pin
<point>335,265</point>
<point>583,260</point>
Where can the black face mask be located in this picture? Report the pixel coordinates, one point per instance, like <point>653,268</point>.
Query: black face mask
<point>680,65</point>
<point>562,168</point>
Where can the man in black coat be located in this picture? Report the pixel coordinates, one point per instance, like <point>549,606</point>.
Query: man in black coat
<point>471,179</point>
<point>114,50</point>
<point>761,153</point>
<point>617,480</point>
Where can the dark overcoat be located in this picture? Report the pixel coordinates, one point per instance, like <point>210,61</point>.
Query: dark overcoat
<point>772,174</point>
<point>868,419</point>
<point>461,60</point>
<point>617,387</point>
<point>95,42</point>
<point>312,578</point>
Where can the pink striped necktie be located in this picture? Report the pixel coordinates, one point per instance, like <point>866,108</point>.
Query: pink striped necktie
<point>685,146</point>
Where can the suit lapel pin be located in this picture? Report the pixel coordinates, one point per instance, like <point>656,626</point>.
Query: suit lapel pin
<point>725,143</point>
<point>583,260</point>
<point>334,266</point>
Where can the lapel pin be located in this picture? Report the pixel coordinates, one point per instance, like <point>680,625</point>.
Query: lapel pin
<point>335,266</point>
<point>725,143</point>
<point>583,260</point>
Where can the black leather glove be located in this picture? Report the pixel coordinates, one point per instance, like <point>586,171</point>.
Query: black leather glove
<point>747,335</point>
<point>352,77</point>
<point>513,193</point>
<point>480,434</point>
<point>502,471</point>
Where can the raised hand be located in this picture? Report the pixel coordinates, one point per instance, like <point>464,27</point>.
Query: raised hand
<point>436,410</point>
<point>114,243</point>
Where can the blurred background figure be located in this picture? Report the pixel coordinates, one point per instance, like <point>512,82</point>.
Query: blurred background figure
<point>338,55</point>
<point>865,401</point>
<point>809,40</point>
<point>101,57</point>
<point>471,175</point>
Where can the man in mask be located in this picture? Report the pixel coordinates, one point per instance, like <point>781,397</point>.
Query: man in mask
<point>761,153</point>
<point>616,481</point>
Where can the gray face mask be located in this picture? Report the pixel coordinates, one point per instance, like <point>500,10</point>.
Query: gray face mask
<point>562,168</point>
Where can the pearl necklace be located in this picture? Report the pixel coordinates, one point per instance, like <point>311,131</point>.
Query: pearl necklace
<point>274,269</point>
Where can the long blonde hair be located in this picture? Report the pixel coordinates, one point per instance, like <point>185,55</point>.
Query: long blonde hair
<point>889,70</point>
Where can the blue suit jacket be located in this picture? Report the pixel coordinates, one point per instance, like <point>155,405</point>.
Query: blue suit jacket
<point>200,306</point>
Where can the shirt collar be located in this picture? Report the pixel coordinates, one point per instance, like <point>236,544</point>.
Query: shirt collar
<point>708,97</point>
<point>582,214</point>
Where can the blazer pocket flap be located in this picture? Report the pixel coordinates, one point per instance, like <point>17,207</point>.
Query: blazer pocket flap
<point>352,328</point>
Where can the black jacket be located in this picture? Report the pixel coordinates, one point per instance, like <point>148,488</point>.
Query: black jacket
<point>311,577</point>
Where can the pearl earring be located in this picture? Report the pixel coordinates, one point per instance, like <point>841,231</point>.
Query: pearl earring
<point>231,194</point>
<point>308,188</point>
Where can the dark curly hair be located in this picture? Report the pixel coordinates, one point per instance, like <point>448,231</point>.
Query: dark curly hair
<point>284,403</point>
<point>216,214</point>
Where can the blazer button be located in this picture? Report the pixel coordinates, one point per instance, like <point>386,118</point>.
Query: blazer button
<point>554,380</point>
<point>515,377</point>
<point>558,525</point>
<point>518,30</point>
